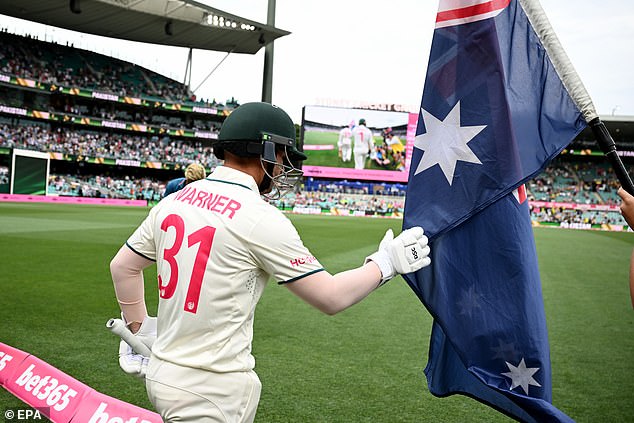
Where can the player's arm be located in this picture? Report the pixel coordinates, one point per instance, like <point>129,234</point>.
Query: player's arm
<point>126,269</point>
<point>331,294</point>
<point>632,278</point>
<point>334,293</point>
<point>627,210</point>
<point>627,207</point>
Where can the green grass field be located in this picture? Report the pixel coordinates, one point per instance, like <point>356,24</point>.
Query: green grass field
<point>362,365</point>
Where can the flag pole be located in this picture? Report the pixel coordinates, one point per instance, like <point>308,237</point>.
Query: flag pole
<point>605,141</point>
<point>576,89</point>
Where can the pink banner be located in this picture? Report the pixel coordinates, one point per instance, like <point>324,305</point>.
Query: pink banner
<point>97,408</point>
<point>46,388</point>
<point>347,173</point>
<point>317,147</point>
<point>58,396</point>
<point>575,206</point>
<point>22,198</point>
<point>10,360</point>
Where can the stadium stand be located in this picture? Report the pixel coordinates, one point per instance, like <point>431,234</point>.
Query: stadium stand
<point>96,115</point>
<point>116,130</point>
<point>86,143</point>
<point>52,63</point>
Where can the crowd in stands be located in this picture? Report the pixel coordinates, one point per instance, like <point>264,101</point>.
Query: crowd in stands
<point>105,187</point>
<point>391,153</point>
<point>353,187</point>
<point>582,183</point>
<point>106,145</point>
<point>57,64</point>
<point>343,202</point>
<point>576,217</point>
<point>100,112</point>
<point>345,199</point>
<point>565,184</point>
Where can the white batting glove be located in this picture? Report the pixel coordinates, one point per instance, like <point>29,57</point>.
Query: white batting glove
<point>130,361</point>
<point>406,253</point>
<point>147,331</point>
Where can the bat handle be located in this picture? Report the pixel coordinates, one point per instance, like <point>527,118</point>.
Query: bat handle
<point>118,328</point>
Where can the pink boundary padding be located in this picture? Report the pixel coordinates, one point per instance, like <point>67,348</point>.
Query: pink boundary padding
<point>10,360</point>
<point>347,173</point>
<point>97,407</point>
<point>575,206</point>
<point>61,398</point>
<point>22,198</point>
<point>318,147</point>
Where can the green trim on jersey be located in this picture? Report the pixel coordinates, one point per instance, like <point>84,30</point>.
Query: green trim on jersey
<point>135,251</point>
<point>228,182</point>
<point>300,277</point>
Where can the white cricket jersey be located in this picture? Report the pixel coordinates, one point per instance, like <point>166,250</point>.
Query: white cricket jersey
<point>345,137</point>
<point>363,139</point>
<point>216,244</point>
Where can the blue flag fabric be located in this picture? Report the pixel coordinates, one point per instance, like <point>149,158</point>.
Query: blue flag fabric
<point>493,114</point>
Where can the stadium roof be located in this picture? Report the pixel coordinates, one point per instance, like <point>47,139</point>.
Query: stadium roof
<point>183,23</point>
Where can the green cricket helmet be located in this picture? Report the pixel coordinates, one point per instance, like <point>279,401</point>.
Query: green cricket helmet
<point>257,130</point>
<point>261,130</point>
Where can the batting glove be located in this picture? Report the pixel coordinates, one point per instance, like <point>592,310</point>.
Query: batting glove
<point>132,362</point>
<point>147,331</point>
<point>406,253</point>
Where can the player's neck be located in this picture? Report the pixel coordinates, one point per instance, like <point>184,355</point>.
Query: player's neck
<point>250,166</point>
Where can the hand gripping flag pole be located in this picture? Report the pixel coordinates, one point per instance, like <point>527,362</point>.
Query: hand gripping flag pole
<point>575,87</point>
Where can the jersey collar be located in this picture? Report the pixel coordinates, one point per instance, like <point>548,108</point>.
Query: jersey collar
<point>233,176</point>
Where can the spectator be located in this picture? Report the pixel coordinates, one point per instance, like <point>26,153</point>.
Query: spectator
<point>193,172</point>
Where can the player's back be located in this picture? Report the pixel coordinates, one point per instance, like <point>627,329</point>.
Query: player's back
<point>345,133</point>
<point>362,137</point>
<point>209,276</point>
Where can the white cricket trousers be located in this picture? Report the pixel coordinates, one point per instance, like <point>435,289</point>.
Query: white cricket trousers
<point>346,153</point>
<point>359,160</point>
<point>184,394</point>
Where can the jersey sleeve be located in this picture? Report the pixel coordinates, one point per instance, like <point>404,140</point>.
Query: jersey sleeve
<point>370,140</point>
<point>279,250</point>
<point>142,240</point>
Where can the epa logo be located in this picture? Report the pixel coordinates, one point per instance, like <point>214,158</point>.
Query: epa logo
<point>23,414</point>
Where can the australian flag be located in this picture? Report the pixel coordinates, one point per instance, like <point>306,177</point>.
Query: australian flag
<point>494,112</point>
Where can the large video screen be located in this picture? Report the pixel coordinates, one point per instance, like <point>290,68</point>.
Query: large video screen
<point>338,147</point>
<point>29,173</point>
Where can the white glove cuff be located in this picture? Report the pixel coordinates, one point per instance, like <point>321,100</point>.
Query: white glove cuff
<point>382,260</point>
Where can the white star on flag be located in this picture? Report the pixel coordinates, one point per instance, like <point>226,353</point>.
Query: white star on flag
<point>521,375</point>
<point>445,142</point>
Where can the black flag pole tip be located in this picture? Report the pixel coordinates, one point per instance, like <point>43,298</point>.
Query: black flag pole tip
<point>605,141</point>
